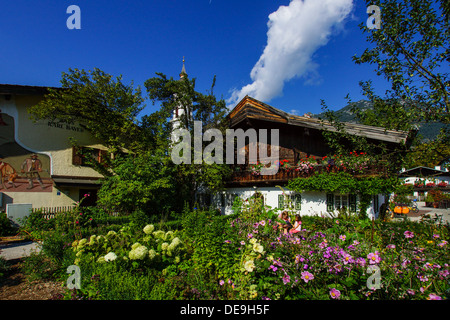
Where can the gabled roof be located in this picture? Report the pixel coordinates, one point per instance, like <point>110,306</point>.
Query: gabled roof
<point>23,90</point>
<point>250,108</point>
<point>423,172</point>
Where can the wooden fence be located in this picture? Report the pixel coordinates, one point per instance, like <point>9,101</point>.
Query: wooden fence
<point>51,212</point>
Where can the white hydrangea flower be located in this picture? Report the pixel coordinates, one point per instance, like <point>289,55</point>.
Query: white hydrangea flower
<point>159,234</point>
<point>138,253</point>
<point>111,256</point>
<point>152,254</point>
<point>164,246</point>
<point>110,233</point>
<point>81,244</point>
<point>148,229</point>
<point>92,240</point>
<point>168,236</point>
<point>75,246</point>
<point>136,245</point>
<point>175,243</point>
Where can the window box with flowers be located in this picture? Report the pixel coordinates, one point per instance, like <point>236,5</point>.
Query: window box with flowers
<point>304,168</point>
<point>442,184</point>
<point>255,169</point>
<point>419,184</point>
<point>285,166</point>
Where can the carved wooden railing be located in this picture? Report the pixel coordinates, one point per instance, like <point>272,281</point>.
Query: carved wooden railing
<point>245,174</point>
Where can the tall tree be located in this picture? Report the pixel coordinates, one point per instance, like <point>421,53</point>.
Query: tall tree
<point>192,106</point>
<point>412,51</point>
<point>105,107</point>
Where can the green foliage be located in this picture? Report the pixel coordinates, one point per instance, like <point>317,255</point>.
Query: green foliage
<point>193,106</point>
<point>410,50</point>
<point>53,259</point>
<point>245,256</point>
<point>431,153</point>
<point>346,183</point>
<point>104,106</point>
<point>141,182</point>
<point>6,225</point>
<point>112,282</point>
<point>4,266</point>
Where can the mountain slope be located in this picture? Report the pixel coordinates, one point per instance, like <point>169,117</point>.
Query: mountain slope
<point>428,131</point>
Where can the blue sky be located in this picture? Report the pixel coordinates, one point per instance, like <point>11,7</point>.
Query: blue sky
<point>225,38</point>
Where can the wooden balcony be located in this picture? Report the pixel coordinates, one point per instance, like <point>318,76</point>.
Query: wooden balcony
<point>244,176</point>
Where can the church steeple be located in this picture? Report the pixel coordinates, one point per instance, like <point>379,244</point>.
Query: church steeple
<point>183,71</point>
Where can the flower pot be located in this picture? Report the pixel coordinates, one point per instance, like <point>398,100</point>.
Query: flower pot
<point>401,210</point>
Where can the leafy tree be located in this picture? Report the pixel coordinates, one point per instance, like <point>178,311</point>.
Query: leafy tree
<point>104,106</point>
<point>192,106</point>
<point>140,175</point>
<point>144,182</point>
<point>429,154</point>
<point>412,51</point>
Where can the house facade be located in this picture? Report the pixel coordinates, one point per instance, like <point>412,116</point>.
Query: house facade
<point>425,179</point>
<point>39,165</point>
<point>300,137</point>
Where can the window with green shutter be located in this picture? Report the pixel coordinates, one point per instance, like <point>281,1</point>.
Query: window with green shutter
<point>376,204</point>
<point>330,202</point>
<point>281,201</point>
<point>352,202</point>
<point>298,201</point>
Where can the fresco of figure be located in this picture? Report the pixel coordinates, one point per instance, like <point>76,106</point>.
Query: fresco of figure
<point>7,173</point>
<point>31,167</point>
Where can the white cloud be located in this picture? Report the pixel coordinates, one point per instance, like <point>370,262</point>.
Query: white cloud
<point>294,33</point>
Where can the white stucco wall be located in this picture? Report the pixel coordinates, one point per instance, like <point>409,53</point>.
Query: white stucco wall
<point>46,138</point>
<point>312,203</point>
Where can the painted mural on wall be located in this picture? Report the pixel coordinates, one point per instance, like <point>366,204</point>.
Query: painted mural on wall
<point>20,169</point>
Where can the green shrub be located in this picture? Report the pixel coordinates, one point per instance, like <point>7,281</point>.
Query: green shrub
<point>38,266</point>
<point>52,260</point>
<point>245,256</point>
<point>35,221</point>
<point>6,226</point>
<point>112,281</point>
<point>4,266</point>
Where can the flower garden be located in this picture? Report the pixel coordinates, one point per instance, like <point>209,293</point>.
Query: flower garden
<point>202,255</point>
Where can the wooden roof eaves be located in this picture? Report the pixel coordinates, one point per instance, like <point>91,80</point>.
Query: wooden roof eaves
<point>370,132</point>
<point>356,129</point>
<point>24,89</point>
